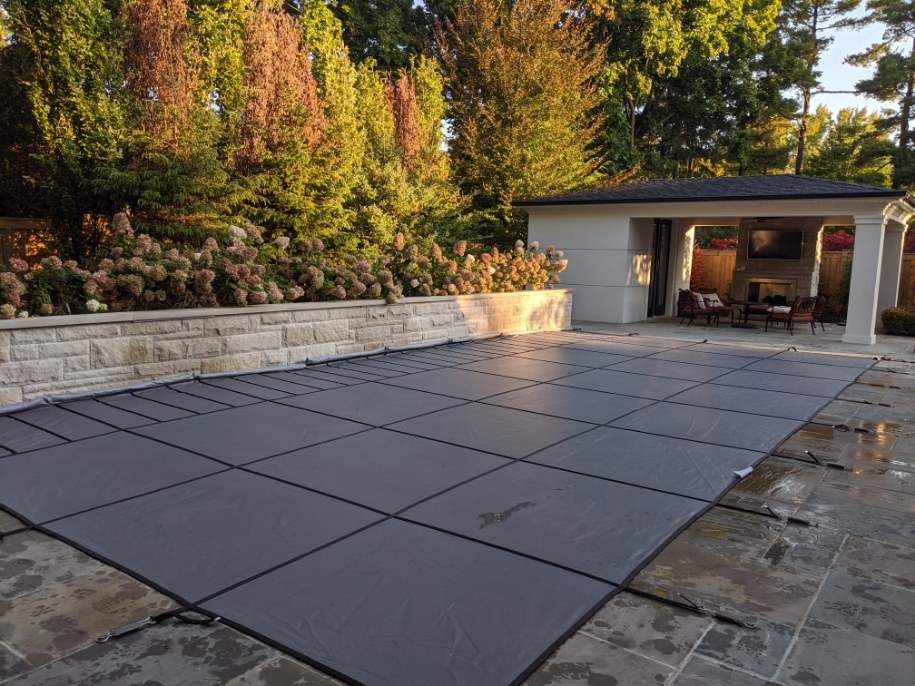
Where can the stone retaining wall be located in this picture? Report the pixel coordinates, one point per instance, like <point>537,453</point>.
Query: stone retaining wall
<point>83,352</point>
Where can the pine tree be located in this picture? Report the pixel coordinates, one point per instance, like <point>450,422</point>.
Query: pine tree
<point>893,81</point>
<point>854,147</point>
<point>804,26</point>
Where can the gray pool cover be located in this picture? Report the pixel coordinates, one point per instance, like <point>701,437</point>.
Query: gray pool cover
<point>438,516</point>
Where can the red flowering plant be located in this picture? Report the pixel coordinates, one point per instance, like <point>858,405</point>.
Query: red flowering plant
<point>838,240</point>
<point>723,243</point>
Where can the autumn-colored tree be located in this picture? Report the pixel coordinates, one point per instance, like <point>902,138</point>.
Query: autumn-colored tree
<point>172,177</point>
<point>162,67</point>
<point>838,240</point>
<point>281,94</point>
<point>521,81</point>
<point>698,274</point>
<point>400,94</point>
<point>375,181</point>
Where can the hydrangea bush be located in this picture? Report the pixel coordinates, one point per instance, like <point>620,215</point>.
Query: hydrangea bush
<point>136,272</point>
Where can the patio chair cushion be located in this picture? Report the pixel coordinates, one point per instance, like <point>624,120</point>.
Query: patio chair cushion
<point>712,300</point>
<point>699,298</point>
<point>779,309</point>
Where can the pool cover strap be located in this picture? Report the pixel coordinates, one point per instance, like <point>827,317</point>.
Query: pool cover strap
<point>179,613</point>
<point>691,605</point>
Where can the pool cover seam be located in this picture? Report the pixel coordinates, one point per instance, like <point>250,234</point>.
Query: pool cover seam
<point>380,380</point>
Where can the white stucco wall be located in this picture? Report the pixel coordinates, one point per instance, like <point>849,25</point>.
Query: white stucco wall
<point>608,259</point>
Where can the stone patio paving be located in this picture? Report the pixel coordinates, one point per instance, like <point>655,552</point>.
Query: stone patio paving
<point>833,602</point>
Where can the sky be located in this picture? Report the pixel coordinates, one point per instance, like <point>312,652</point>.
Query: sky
<point>840,76</point>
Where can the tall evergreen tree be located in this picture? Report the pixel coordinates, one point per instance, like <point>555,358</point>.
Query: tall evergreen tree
<point>374,182</point>
<point>893,80</point>
<point>19,168</point>
<point>853,147</point>
<point>805,26</point>
<point>521,82</point>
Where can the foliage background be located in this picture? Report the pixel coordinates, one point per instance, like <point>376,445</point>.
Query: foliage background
<point>351,121</point>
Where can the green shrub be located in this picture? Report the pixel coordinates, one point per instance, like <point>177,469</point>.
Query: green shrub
<point>898,322</point>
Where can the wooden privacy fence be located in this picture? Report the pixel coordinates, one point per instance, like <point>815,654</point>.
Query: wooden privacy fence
<point>832,269</point>
<point>719,269</point>
<point>27,239</point>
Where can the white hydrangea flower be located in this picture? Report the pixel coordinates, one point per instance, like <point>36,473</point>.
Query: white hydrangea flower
<point>22,315</point>
<point>93,305</point>
<point>535,245</point>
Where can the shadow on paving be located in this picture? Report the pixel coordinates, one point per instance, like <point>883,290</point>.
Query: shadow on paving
<point>820,595</point>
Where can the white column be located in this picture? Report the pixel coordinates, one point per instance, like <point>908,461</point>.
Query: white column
<point>684,232</point>
<point>865,279</point>
<point>891,267</point>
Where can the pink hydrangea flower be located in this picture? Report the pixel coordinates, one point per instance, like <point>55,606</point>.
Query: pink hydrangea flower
<point>19,265</point>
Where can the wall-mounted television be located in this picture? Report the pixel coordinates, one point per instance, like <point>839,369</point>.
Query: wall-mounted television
<point>775,244</point>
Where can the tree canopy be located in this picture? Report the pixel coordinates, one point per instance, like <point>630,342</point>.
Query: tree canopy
<point>353,121</point>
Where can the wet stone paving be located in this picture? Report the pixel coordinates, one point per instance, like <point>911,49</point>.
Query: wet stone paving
<point>819,560</point>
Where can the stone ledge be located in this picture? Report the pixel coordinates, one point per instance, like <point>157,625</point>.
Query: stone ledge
<point>208,312</point>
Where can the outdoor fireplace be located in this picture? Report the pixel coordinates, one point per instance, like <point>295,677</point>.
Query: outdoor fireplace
<point>777,292</point>
<point>777,259</point>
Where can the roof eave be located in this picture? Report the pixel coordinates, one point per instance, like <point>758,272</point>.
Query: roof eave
<point>547,202</point>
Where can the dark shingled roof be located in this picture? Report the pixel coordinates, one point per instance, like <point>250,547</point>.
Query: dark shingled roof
<point>775,187</point>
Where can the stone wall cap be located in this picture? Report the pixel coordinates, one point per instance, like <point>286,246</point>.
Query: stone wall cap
<point>209,312</point>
